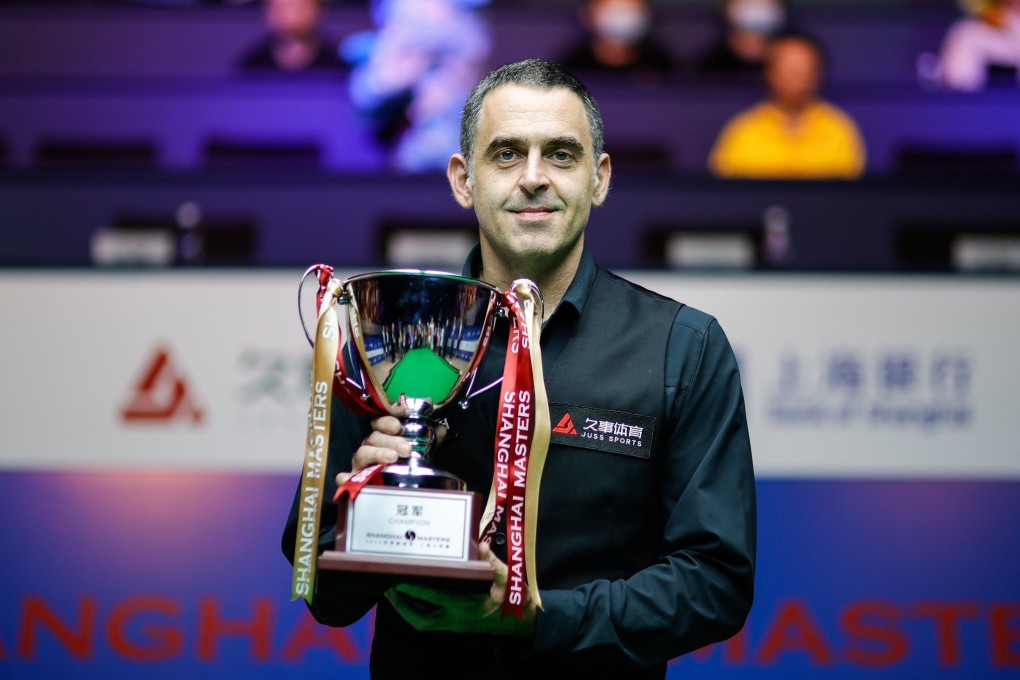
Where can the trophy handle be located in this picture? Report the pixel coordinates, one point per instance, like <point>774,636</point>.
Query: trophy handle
<point>470,393</point>
<point>314,269</point>
<point>535,290</point>
<point>324,273</point>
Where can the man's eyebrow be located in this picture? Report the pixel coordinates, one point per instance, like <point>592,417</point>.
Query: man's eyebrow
<point>565,142</point>
<point>571,143</point>
<point>504,142</point>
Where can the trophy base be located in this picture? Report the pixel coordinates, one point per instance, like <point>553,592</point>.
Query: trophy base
<point>410,531</point>
<point>472,570</point>
<point>420,477</point>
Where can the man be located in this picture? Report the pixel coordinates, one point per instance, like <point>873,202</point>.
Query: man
<point>794,134</point>
<point>295,42</point>
<point>746,28</point>
<point>645,549</point>
<point>619,41</point>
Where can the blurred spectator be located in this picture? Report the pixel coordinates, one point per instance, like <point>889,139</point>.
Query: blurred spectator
<point>977,46</point>
<point>295,41</point>
<point>618,40</point>
<point>747,26</point>
<point>412,76</point>
<point>793,134</point>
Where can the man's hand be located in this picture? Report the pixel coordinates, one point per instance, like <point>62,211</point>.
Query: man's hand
<point>435,609</point>
<point>385,445</point>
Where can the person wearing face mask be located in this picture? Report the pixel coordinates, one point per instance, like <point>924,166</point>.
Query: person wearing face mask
<point>747,26</point>
<point>618,40</point>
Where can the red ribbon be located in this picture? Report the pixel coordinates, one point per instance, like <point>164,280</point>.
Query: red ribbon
<point>353,401</point>
<point>356,483</point>
<point>514,431</point>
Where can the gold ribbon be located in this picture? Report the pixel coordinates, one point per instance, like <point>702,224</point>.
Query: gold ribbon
<point>313,474</point>
<point>540,436</point>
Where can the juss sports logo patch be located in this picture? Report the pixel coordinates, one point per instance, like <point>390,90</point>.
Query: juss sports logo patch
<point>630,434</point>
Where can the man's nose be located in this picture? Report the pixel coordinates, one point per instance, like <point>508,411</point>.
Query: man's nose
<point>534,178</point>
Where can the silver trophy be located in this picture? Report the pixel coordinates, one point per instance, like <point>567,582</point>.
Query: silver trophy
<point>412,342</point>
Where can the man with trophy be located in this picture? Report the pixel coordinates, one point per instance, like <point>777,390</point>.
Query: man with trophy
<point>611,455</point>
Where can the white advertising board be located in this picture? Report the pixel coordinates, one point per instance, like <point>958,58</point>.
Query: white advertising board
<point>843,376</point>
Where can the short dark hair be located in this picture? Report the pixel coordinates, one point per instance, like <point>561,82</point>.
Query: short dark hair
<point>536,73</point>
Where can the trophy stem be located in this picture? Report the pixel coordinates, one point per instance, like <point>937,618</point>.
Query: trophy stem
<point>418,430</point>
<point>418,473</point>
<point>422,436</point>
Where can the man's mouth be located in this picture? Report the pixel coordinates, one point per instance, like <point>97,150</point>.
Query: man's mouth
<point>534,212</point>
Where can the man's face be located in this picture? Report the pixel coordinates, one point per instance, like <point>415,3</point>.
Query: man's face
<point>292,18</point>
<point>794,72</point>
<point>533,179</point>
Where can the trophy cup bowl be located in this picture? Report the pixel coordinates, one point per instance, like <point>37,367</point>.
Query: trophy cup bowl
<point>418,337</point>
<point>413,342</point>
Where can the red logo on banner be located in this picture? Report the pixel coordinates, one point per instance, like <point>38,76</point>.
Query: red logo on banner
<point>566,425</point>
<point>161,395</point>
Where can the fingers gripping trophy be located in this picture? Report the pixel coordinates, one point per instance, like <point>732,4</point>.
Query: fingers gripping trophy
<point>407,343</point>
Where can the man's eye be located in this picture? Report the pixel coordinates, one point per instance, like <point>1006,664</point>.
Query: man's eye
<point>561,156</point>
<point>506,155</point>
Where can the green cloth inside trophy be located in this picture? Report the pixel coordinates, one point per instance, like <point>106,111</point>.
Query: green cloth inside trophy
<point>421,374</point>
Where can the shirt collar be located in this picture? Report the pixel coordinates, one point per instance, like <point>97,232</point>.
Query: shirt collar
<point>577,291</point>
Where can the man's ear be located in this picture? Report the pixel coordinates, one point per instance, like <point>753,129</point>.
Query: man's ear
<point>603,173</point>
<point>457,173</point>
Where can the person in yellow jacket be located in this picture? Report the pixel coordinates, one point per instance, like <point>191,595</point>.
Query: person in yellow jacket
<point>794,134</point>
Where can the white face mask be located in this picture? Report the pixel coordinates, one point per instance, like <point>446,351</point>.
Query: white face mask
<point>620,22</point>
<point>757,16</point>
